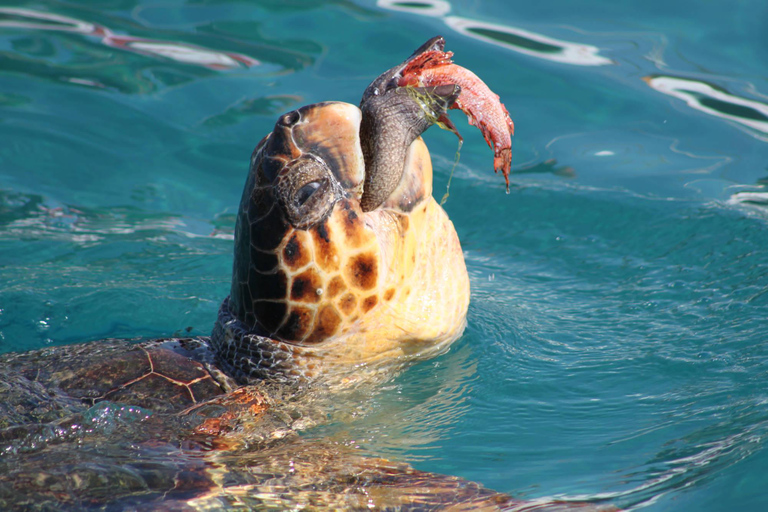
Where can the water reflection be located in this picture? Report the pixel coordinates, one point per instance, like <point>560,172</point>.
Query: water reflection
<point>756,195</point>
<point>411,416</point>
<point>31,217</point>
<point>180,52</point>
<point>529,43</point>
<point>512,38</point>
<point>715,101</point>
<point>423,7</point>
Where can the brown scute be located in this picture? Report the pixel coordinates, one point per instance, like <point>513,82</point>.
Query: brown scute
<point>145,393</point>
<point>336,286</point>
<point>389,294</point>
<point>326,324</point>
<point>205,389</point>
<point>101,377</point>
<point>326,255</point>
<point>263,261</point>
<point>305,285</point>
<point>362,271</point>
<point>175,366</point>
<point>295,255</point>
<point>347,303</point>
<point>267,286</point>
<point>297,325</point>
<point>269,314</point>
<point>369,303</point>
<point>155,377</point>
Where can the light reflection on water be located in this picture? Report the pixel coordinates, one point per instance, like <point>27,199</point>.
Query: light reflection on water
<point>615,346</point>
<point>714,101</point>
<point>184,53</point>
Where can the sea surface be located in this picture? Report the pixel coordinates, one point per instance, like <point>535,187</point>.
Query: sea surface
<point>616,341</point>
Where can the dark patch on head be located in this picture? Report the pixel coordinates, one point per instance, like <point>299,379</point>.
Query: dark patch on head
<point>263,261</point>
<point>353,226</point>
<point>267,233</point>
<point>326,324</point>
<point>240,268</point>
<point>336,286</point>
<point>294,253</point>
<point>305,286</point>
<point>347,303</point>
<point>261,201</point>
<point>362,271</point>
<point>297,324</point>
<point>389,294</point>
<point>269,314</point>
<point>369,303</point>
<point>322,231</point>
<point>325,251</point>
<point>267,286</point>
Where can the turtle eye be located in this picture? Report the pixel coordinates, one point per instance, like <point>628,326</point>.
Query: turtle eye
<point>305,192</point>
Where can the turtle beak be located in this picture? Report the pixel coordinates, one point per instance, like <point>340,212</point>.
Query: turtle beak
<point>393,117</point>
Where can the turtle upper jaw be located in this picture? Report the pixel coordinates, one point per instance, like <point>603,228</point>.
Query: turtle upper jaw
<point>388,79</point>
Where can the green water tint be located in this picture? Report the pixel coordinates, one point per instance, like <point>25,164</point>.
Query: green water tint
<point>615,342</point>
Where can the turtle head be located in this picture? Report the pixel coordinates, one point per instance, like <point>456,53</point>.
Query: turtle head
<point>324,283</point>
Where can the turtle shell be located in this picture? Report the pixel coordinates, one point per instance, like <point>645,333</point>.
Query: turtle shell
<point>160,376</point>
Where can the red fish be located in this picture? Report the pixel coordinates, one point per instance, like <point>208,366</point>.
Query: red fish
<point>476,100</point>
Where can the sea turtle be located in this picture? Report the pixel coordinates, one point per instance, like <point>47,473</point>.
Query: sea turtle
<point>345,268</point>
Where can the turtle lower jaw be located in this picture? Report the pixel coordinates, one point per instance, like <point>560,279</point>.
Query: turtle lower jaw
<point>390,124</point>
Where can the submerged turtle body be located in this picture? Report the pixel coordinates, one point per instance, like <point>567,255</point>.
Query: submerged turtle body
<point>162,376</point>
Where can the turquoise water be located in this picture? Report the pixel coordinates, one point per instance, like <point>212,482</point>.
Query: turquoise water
<point>616,345</point>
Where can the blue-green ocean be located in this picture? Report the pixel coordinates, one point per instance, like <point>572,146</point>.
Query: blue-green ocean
<point>616,340</point>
